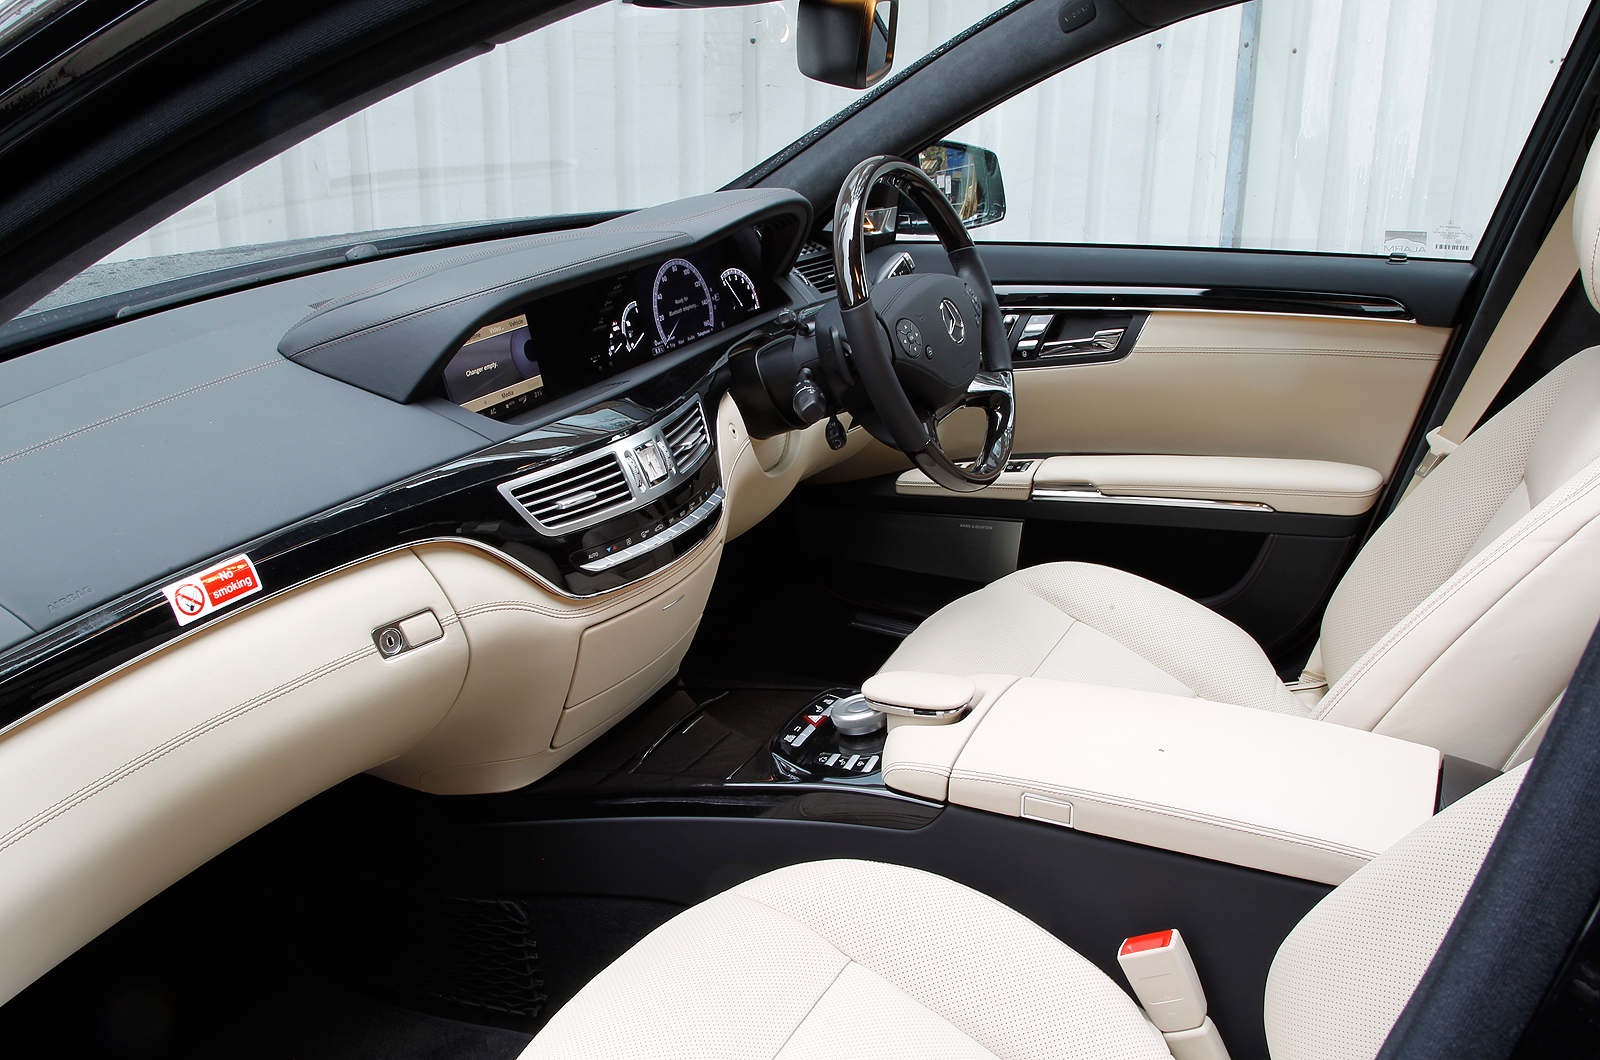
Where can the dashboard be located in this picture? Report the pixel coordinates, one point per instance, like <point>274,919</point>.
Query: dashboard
<point>563,342</point>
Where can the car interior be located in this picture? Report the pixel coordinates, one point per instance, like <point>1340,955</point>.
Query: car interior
<point>780,621</point>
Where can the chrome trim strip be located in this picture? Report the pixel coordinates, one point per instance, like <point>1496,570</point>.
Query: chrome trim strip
<point>676,530</point>
<point>1090,495</point>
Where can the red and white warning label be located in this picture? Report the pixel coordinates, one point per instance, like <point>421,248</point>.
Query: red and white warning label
<point>198,595</point>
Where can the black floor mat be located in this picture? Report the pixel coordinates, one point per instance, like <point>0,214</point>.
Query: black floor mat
<point>215,966</point>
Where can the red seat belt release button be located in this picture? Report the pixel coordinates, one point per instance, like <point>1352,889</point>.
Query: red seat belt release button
<point>1162,974</point>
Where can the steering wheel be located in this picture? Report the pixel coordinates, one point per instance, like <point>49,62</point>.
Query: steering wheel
<point>924,345</point>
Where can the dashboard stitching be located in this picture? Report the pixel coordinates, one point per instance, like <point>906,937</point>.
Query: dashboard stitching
<point>347,299</point>
<point>133,412</point>
<point>155,754</point>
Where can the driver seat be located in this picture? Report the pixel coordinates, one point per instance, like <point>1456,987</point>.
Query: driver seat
<point>1454,627</point>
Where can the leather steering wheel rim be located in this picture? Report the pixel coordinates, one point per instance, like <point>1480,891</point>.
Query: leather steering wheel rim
<point>916,432</point>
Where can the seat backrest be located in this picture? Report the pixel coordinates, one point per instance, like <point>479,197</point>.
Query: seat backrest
<point>1457,622</point>
<point>1342,977</point>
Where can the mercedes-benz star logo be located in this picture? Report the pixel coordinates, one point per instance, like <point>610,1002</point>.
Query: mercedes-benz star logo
<point>954,326</point>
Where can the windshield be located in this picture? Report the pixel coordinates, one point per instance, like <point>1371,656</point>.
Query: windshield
<point>612,109</point>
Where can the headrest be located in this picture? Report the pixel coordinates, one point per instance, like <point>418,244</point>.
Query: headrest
<point>1586,223</point>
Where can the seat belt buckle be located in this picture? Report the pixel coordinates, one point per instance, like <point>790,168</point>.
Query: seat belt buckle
<point>1439,447</point>
<point>1163,977</point>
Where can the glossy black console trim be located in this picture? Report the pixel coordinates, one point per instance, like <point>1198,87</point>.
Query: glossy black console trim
<point>457,501</point>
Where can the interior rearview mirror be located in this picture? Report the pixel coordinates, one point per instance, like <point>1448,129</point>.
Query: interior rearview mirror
<point>849,43</point>
<point>969,177</point>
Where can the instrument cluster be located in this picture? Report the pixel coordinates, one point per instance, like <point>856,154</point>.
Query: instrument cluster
<point>663,306</point>
<point>564,342</point>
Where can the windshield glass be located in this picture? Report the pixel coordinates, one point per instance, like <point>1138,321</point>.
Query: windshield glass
<point>612,109</point>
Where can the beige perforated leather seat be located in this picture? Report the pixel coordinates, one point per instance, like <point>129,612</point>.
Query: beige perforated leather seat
<point>914,966</point>
<point>1453,628</point>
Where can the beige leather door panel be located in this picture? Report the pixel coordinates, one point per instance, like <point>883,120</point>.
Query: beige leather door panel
<point>1222,384</point>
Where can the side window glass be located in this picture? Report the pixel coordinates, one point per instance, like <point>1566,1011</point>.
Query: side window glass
<point>1335,126</point>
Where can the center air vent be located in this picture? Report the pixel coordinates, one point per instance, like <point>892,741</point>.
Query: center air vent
<point>687,438</point>
<point>576,494</point>
<point>626,474</point>
<point>818,270</point>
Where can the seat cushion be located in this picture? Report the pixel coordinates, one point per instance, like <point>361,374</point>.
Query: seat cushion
<point>849,957</point>
<point>1098,625</point>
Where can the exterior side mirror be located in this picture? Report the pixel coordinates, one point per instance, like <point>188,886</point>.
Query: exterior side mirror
<point>969,177</point>
<point>849,43</point>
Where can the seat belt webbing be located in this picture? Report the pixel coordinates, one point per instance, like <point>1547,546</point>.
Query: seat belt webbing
<point>1535,299</point>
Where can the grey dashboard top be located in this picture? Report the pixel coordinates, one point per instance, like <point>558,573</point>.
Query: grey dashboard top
<point>136,451</point>
<point>391,337</point>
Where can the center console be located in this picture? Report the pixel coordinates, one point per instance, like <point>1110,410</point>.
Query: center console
<point>1268,791</point>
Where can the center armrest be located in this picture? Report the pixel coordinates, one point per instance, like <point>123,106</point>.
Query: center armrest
<point>1270,791</point>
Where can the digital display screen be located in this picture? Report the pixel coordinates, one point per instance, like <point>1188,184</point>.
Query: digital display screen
<point>577,337</point>
<point>493,368</point>
<point>664,306</point>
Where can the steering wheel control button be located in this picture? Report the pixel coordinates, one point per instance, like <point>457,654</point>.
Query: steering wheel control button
<point>910,338</point>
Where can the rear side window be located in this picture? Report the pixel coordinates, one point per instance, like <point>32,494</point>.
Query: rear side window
<point>1333,126</point>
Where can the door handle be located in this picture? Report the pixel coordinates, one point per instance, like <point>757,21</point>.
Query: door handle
<point>1099,342</point>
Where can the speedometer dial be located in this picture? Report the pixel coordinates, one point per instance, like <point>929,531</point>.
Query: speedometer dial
<point>682,304</point>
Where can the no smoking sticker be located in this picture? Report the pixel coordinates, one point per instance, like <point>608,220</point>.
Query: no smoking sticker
<point>198,595</point>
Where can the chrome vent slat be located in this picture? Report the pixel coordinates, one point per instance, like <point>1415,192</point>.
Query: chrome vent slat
<point>687,437</point>
<point>597,486</point>
<point>542,493</point>
<point>575,494</point>
<point>819,273</point>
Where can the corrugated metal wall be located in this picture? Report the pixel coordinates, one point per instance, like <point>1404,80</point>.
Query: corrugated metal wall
<point>1337,125</point>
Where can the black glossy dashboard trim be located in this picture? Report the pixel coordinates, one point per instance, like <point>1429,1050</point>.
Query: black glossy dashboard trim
<point>458,501</point>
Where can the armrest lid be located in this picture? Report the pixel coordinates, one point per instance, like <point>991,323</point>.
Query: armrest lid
<point>913,690</point>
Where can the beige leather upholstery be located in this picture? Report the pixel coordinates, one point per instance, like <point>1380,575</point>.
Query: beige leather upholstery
<point>1317,486</point>
<point>1455,627</point>
<point>1248,787</point>
<point>123,787</point>
<point>1343,975</point>
<point>833,957</point>
<point>914,966</point>
<point>1459,621</point>
<point>1218,384</point>
<point>1083,622</point>
<point>1320,487</point>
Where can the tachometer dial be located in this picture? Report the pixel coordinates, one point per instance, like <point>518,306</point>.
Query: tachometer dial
<point>682,304</point>
<point>742,289</point>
